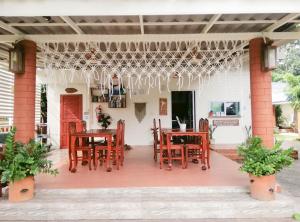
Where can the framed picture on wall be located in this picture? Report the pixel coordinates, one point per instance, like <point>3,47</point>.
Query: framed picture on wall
<point>163,106</point>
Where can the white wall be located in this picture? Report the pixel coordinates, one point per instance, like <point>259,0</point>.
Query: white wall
<point>288,113</point>
<point>231,86</point>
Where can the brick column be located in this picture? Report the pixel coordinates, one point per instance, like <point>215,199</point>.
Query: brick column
<point>24,95</point>
<point>261,95</point>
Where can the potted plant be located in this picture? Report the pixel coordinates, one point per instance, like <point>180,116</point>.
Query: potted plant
<point>262,164</point>
<point>20,164</point>
<point>212,129</point>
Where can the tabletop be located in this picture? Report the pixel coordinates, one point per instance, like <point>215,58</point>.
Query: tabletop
<point>96,132</point>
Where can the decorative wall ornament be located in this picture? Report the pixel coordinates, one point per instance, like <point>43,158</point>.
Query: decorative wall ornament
<point>71,90</point>
<point>142,65</point>
<point>140,111</point>
<point>163,106</point>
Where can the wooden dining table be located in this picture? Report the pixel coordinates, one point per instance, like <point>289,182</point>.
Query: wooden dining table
<point>93,133</point>
<point>203,137</point>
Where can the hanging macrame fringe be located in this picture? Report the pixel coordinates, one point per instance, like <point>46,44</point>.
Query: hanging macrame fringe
<point>141,65</point>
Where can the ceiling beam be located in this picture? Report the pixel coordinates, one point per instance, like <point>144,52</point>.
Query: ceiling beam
<point>151,37</point>
<point>45,24</point>
<point>211,22</point>
<point>108,24</point>
<point>36,24</point>
<point>282,21</point>
<point>9,28</point>
<point>142,24</point>
<point>72,24</point>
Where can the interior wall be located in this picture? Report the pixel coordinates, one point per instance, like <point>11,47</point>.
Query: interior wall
<point>228,86</point>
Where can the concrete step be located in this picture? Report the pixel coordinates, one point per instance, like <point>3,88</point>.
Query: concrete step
<point>146,203</point>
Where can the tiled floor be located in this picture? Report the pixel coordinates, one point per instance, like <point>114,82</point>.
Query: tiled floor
<point>140,170</point>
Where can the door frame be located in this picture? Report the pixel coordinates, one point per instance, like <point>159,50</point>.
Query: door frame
<point>61,114</point>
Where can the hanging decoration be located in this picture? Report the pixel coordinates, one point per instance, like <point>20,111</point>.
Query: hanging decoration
<point>141,65</point>
<point>163,106</point>
<point>140,111</point>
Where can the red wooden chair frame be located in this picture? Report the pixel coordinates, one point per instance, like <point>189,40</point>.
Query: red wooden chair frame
<point>156,141</point>
<point>79,144</point>
<point>117,150</point>
<point>197,150</point>
<point>170,154</point>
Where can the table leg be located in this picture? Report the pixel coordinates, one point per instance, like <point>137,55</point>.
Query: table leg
<point>186,155</point>
<point>108,167</point>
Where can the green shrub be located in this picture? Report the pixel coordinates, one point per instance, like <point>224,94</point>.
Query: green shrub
<point>261,161</point>
<point>22,160</point>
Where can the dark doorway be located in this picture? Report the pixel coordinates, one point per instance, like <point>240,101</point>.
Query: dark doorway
<point>183,107</point>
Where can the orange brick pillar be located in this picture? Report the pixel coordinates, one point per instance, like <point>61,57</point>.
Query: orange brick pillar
<point>24,95</point>
<point>261,95</point>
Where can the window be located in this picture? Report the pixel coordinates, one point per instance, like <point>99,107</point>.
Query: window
<point>225,108</point>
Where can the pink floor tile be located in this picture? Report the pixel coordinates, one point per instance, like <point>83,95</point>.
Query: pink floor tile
<point>140,170</point>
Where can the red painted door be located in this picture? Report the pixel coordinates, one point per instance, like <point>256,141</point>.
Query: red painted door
<point>70,111</point>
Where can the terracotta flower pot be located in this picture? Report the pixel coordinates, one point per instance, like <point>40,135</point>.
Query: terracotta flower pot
<point>21,190</point>
<point>262,188</point>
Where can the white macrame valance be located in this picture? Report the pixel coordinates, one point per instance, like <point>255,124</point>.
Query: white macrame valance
<point>137,65</point>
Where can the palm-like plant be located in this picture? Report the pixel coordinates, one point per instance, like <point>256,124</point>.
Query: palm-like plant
<point>23,160</point>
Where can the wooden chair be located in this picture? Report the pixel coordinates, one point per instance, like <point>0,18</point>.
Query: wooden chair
<point>196,151</point>
<point>156,141</point>
<point>79,144</point>
<point>206,153</point>
<point>123,143</point>
<point>117,149</point>
<point>71,129</point>
<point>176,150</point>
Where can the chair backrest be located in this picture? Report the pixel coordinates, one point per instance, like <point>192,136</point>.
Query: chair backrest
<point>159,125</point>
<point>120,133</point>
<point>82,126</point>
<point>154,123</point>
<point>206,125</point>
<point>71,129</point>
<point>155,133</point>
<point>201,125</point>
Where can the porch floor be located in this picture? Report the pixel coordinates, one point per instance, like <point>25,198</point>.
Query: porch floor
<point>140,170</point>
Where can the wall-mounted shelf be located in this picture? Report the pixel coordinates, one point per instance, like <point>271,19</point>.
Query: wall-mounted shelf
<point>117,101</point>
<point>98,97</point>
<point>115,97</point>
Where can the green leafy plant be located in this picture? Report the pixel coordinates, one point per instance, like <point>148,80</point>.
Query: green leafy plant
<point>103,119</point>
<point>212,129</point>
<point>261,161</point>
<point>296,216</point>
<point>23,160</point>
<point>248,132</point>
